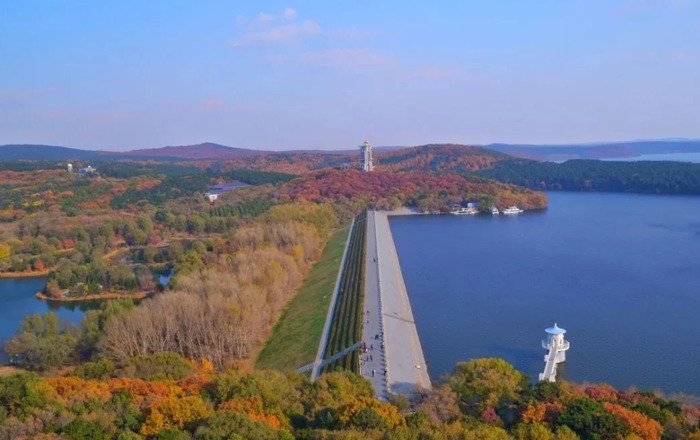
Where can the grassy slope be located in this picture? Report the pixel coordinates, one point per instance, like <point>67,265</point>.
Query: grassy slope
<point>294,340</point>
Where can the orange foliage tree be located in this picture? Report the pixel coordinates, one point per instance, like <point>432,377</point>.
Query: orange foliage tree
<point>253,407</point>
<point>602,392</point>
<point>534,412</point>
<point>640,424</point>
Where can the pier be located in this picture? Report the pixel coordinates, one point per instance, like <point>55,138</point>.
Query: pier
<point>397,365</point>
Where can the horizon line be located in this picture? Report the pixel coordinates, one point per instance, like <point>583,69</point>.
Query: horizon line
<point>543,145</point>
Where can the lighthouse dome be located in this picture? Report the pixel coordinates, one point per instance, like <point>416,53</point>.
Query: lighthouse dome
<point>556,330</point>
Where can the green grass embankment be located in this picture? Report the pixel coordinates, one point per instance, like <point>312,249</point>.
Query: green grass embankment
<point>295,337</point>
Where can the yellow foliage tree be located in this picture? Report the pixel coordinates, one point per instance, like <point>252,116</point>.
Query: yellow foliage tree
<point>173,412</point>
<point>5,251</point>
<point>320,216</point>
<point>533,431</point>
<point>387,412</point>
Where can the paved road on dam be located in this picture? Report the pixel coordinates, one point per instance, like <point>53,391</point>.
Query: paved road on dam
<point>373,362</point>
<point>389,319</point>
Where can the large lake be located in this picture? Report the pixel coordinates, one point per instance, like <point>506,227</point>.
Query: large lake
<point>620,272</point>
<point>676,157</point>
<point>17,300</point>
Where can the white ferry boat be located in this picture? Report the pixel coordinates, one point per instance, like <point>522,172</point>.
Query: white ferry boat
<point>512,210</point>
<point>494,210</point>
<point>465,211</point>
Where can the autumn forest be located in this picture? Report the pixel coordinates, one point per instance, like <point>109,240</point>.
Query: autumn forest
<point>190,290</point>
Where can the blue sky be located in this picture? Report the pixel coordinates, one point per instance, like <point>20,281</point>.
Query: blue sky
<point>320,74</point>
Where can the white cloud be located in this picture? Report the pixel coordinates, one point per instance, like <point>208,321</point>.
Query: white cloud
<point>289,14</point>
<point>290,39</point>
<point>285,26</point>
<point>267,28</point>
<point>347,58</point>
<point>264,18</point>
<point>279,34</point>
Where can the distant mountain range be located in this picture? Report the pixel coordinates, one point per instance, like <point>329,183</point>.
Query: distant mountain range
<point>44,152</point>
<point>210,150</point>
<point>199,151</point>
<point>206,150</point>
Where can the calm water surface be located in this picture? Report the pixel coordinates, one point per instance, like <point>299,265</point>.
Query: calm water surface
<point>17,300</point>
<point>620,272</point>
<point>676,157</point>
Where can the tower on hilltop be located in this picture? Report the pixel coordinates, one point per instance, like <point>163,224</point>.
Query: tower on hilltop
<point>366,157</point>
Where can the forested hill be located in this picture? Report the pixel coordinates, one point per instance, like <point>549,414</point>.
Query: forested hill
<point>439,158</point>
<point>44,152</point>
<point>594,175</point>
<point>426,158</point>
<point>205,150</point>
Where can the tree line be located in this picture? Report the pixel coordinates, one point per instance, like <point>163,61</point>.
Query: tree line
<point>648,177</point>
<point>223,309</point>
<point>164,396</point>
<point>433,192</point>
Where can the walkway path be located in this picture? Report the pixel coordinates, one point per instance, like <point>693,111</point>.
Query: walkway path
<point>330,359</point>
<point>550,367</point>
<point>373,363</point>
<point>389,317</point>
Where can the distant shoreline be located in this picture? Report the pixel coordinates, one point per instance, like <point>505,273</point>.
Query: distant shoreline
<point>404,211</point>
<point>34,274</point>
<point>95,297</point>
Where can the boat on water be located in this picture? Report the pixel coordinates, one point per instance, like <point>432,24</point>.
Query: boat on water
<point>465,211</point>
<point>494,210</point>
<point>512,210</point>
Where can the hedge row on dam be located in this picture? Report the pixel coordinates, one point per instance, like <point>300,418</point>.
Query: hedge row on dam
<point>346,327</point>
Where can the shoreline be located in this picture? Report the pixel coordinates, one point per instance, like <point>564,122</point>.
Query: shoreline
<point>36,274</point>
<point>95,297</point>
<point>405,211</point>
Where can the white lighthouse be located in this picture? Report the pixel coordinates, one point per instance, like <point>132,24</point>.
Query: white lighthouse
<point>557,347</point>
<point>366,157</point>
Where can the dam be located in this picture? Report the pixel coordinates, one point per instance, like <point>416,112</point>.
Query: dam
<point>395,362</point>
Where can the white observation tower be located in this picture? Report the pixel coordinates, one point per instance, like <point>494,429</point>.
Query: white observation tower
<point>366,157</point>
<point>557,347</point>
